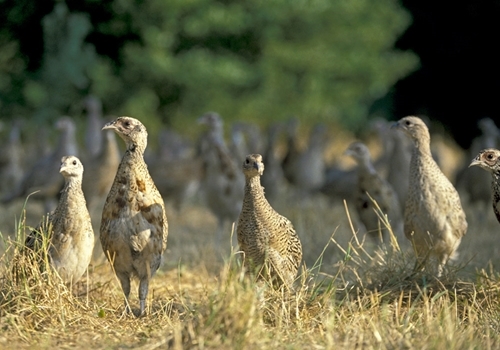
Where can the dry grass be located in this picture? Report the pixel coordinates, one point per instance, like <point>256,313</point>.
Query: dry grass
<point>350,295</point>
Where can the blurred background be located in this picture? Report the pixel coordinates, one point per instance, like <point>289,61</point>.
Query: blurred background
<point>296,81</point>
<point>170,61</point>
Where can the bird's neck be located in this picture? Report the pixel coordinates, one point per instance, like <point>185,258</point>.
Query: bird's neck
<point>71,185</point>
<point>366,166</point>
<point>423,147</point>
<point>495,178</point>
<point>255,191</point>
<point>495,193</point>
<point>135,150</point>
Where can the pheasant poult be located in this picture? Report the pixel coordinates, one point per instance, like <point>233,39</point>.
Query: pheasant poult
<point>489,160</point>
<point>434,220</point>
<point>134,225</point>
<point>69,226</point>
<point>370,184</point>
<point>268,240</point>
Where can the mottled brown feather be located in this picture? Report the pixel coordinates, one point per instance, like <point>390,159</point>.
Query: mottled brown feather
<point>68,226</point>
<point>134,226</point>
<point>268,240</point>
<point>434,220</point>
<point>489,160</point>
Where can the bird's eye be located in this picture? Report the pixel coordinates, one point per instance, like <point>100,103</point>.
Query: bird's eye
<point>127,124</point>
<point>247,161</point>
<point>408,123</point>
<point>74,162</point>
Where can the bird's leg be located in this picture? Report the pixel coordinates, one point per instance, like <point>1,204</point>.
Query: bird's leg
<point>125,282</point>
<point>143,293</point>
<point>441,265</point>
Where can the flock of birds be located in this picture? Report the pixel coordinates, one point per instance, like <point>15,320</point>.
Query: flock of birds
<point>134,229</point>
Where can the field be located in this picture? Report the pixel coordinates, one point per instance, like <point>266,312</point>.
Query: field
<point>349,295</point>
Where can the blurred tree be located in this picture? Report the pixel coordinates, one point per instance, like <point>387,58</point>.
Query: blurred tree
<point>173,60</point>
<point>67,59</point>
<point>261,59</point>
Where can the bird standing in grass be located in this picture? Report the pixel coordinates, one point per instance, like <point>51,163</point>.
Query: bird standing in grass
<point>370,184</point>
<point>489,160</point>
<point>134,225</point>
<point>271,246</point>
<point>434,220</point>
<point>69,226</point>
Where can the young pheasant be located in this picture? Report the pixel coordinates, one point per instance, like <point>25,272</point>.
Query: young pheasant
<point>370,184</point>
<point>69,226</point>
<point>434,220</point>
<point>489,160</point>
<point>271,246</point>
<point>134,225</point>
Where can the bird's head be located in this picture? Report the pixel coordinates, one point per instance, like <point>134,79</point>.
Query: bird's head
<point>131,130</point>
<point>253,166</point>
<point>414,127</point>
<point>359,151</point>
<point>488,159</point>
<point>71,166</point>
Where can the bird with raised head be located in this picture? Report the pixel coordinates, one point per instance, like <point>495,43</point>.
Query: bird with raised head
<point>270,244</point>
<point>134,225</point>
<point>68,226</point>
<point>489,160</point>
<point>434,220</point>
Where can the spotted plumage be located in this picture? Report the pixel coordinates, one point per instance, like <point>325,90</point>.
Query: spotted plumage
<point>489,160</point>
<point>68,226</point>
<point>134,225</point>
<point>434,220</point>
<point>268,240</point>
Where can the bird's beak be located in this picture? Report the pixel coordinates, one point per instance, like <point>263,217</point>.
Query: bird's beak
<point>62,168</point>
<point>395,125</point>
<point>259,167</point>
<point>110,125</point>
<point>475,161</point>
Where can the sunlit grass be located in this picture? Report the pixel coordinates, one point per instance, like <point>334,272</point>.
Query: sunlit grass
<point>349,294</point>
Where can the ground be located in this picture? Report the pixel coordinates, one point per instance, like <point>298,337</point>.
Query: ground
<point>348,295</point>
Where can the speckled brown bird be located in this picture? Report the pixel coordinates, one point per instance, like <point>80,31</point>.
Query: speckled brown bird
<point>434,220</point>
<point>489,160</point>
<point>473,182</point>
<point>134,225</point>
<point>68,226</point>
<point>371,184</point>
<point>268,240</point>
